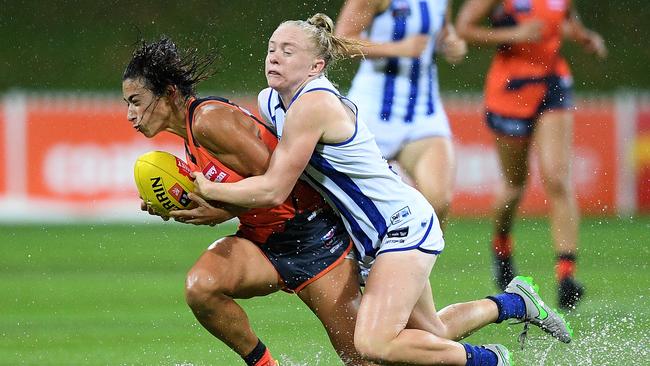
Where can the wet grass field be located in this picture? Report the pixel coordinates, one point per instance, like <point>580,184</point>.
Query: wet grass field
<point>106,294</point>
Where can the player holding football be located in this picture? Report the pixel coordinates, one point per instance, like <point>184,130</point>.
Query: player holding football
<point>298,246</point>
<point>528,98</point>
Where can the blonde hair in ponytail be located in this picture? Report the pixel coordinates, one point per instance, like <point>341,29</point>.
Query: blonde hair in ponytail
<point>320,30</point>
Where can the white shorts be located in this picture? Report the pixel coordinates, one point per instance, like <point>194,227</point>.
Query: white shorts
<point>392,135</point>
<point>424,235</point>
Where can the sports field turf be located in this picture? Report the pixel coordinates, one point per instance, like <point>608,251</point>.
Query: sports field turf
<point>113,295</point>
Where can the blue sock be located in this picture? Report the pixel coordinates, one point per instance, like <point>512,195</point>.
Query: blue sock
<point>509,305</point>
<point>479,356</point>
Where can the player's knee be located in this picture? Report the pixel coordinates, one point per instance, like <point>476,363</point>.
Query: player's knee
<point>556,187</point>
<point>202,285</point>
<point>513,191</point>
<point>370,346</point>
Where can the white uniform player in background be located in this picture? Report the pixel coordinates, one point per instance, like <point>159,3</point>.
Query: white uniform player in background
<point>396,86</point>
<point>323,140</point>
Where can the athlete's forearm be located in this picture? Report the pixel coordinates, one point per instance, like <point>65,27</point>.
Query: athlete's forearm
<point>251,192</point>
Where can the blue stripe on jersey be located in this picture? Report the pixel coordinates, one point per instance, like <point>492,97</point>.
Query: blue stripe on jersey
<point>430,109</point>
<point>413,95</point>
<point>426,21</point>
<point>353,191</point>
<point>392,69</point>
<point>268,106</point>
<point>417,246</point>
<point>357,232</point>
<point>425,27</point>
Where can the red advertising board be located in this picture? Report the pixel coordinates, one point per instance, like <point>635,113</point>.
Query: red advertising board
<point>81,152</point>
<point>74,157</point>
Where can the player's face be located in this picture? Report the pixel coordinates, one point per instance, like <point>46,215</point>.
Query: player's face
<point>143,108</point>
<point>289,60</point>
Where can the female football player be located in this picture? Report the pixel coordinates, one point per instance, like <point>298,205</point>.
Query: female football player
<point>396,86</point>
<point>298,245</point>
<point>529,102</point>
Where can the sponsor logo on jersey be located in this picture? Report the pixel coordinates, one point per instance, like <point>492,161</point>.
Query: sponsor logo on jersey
<point>400,215</point>
<point>214,174</point>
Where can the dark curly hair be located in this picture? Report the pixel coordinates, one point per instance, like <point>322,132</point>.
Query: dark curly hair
<point>160,64</point>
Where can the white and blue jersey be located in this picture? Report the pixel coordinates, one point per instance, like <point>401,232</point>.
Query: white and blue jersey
<point>398,97</point>
<point>380,212</point>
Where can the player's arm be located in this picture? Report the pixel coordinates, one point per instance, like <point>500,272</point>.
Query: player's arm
<point>576,31</point>
<point>357,15</point>
<point>232,138</point>
<point>452,47</point>
<point>303,129</point>
<point>224,132</point>
<point>469,26</point>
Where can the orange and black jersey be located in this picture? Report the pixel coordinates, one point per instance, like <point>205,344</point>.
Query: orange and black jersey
<point>256,224</point>
<point>519,74</point>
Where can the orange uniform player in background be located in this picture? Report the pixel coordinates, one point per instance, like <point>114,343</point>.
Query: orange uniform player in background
<point>522,75</point>
<point>529,102</point>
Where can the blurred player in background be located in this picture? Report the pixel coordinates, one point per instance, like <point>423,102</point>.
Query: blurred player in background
<point>396,86</point>
<point>299,245</point>
<point>529,102</point>
<point>324,140</point>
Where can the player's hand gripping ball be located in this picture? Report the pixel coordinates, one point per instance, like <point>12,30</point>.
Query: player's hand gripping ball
<point>163,181</point>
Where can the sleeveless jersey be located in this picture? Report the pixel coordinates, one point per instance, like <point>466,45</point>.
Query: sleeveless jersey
<point>516,81</point>
<point>356,181</point>
<point>401,88</point>
<point>256,224</point>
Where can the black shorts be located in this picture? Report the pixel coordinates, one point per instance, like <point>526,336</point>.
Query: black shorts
<point>310,246</point>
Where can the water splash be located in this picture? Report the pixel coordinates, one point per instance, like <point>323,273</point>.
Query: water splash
<point>611,338</point>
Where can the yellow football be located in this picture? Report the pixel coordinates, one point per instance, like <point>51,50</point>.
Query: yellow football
<point>163,180</point>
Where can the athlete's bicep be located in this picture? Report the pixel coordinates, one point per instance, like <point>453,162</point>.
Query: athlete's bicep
<point>227,134</point>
